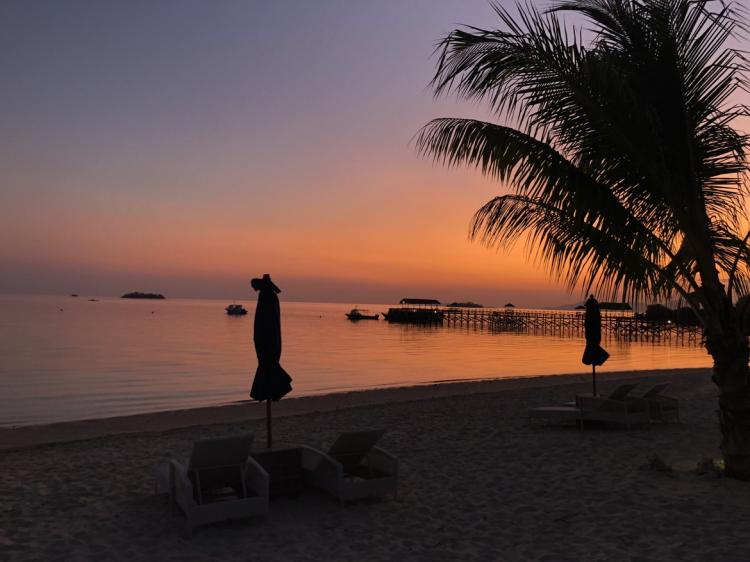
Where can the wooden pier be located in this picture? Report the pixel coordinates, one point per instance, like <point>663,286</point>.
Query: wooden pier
<point>622,326</point>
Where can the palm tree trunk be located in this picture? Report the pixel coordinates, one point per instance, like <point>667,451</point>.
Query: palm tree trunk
<point>732,376</point>
<point>727,344</point>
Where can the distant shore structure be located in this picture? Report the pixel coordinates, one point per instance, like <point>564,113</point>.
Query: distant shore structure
<point>139,295</point>
<point>618,321</point>
<point>467,304</point>
<point>509,305</point>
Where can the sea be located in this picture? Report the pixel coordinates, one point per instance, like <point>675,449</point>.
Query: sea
<point>71,358</point>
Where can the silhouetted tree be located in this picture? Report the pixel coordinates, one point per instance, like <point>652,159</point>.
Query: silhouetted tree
<point>685,316</point>
<point>659,313</point>
<point>622,158</point>
<point>743,313</point>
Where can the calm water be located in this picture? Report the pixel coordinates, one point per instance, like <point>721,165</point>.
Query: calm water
<point>116,357</point>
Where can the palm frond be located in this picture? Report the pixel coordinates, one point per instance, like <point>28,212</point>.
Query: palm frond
<point>577,252</point>
<point>629,139</point>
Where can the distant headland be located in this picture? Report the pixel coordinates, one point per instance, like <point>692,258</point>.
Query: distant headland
<point>467,304</point>
<point>139,295</point>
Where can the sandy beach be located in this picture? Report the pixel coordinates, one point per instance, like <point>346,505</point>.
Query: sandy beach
<point>478,482</point>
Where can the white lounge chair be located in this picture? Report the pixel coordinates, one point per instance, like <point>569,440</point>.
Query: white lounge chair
<point>621,409</point>
<point>353,468</point>
<point>219,482</point>
<point>572,411</point>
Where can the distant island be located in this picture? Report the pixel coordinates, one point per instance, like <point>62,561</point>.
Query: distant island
<point>468,304</point>
<point>138,295</point>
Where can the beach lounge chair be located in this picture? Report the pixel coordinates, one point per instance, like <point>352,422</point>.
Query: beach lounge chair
<point>618,407</point>
<point>621,392</point>
<point>572,411</point>
<point>219,482</point>
<point>353,468</point>
<point>661,407</point>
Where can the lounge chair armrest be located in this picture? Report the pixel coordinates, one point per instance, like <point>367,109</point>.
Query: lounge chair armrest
<point>314,459</point>
<point>311,458</point>
<point>256,477</point>
<point>381,460</point>
<point>181,483</point>
<point>179,473</point>
<point>321,470</point>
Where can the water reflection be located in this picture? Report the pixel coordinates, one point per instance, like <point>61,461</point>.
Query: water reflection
<point>116,357</point>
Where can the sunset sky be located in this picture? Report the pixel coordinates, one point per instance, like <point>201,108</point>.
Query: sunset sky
<point>184,147</point>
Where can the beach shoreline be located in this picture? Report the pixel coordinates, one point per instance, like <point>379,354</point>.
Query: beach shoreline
<point>477,481</point>
<point>240,412</point>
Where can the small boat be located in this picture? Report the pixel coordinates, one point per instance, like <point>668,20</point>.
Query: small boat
<point>236,310</point>
<point>357,314</point>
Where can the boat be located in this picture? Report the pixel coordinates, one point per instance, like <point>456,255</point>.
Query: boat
<point>236,310</point>
<point>416,311</point>
<point>361,314</point>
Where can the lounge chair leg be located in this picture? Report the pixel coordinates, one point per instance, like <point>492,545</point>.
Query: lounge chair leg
<point>172,490</point>
<point>244,485</point>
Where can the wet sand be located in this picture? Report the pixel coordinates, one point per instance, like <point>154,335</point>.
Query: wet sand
<point>478,482</point>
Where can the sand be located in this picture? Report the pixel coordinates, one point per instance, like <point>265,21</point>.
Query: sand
<point>478,482</point>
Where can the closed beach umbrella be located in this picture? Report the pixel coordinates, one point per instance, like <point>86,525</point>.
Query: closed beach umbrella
<point>594,354</point>
<point>271,382</point>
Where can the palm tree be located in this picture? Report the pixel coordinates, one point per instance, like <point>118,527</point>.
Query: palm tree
<point>624,169</point>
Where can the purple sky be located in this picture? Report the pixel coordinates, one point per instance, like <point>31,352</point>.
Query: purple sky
<point>185,147</point>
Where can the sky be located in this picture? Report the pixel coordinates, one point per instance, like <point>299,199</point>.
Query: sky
<point>184,147</point>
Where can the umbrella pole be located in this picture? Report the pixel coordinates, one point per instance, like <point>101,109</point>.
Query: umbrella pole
<point>268,423</point>
<point>593,370</point>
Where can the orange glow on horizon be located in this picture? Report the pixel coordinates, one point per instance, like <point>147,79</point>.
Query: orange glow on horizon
<point>398,229</point>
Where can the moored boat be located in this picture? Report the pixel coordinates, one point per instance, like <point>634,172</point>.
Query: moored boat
<point>236,310</point>
<point>360,314</point>
<point>416,311</point>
